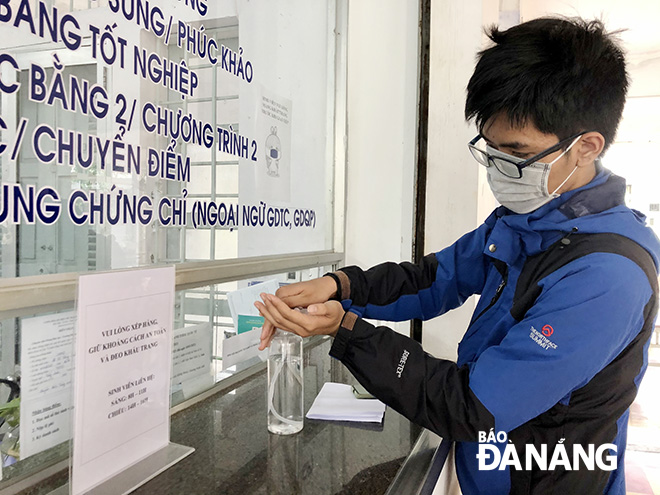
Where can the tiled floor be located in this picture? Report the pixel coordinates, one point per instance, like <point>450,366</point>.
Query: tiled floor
<point>643,452</point>
<point>642,473</point>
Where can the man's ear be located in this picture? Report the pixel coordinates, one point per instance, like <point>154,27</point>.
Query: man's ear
<point>589,147</point>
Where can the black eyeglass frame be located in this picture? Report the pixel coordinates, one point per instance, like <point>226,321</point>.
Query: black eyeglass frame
<point>490,160</point>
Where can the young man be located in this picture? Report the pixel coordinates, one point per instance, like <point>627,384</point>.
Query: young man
<point>566,272</point>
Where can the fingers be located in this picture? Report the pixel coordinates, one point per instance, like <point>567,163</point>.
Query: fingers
<point>278,314</point>
<point>303,294</point>
<point>267,334</point>
<point>267,317</point>
<point>264,343</point>
<point>281,316</point>
<point>280,309</point>
<point>317,310</point>
<point>288,291</point>
<point>294,300</point>
<point>322,319</point>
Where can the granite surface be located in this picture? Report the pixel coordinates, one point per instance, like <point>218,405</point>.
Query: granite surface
<point>235,453</point>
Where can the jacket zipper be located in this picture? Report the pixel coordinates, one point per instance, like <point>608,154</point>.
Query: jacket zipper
<point>496,296</point>
<point>500,288</point>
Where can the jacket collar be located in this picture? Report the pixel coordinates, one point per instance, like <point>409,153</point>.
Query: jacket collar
<point>595,199</point>
<point>537,230</point>
<point>603,192</point>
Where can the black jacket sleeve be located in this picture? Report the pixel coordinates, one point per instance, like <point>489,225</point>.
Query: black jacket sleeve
<point>386,282</point>
<point>437,283</point>
<point>431,392</point>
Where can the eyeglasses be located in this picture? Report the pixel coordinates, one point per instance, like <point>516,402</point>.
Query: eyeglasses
<point>507,166</point>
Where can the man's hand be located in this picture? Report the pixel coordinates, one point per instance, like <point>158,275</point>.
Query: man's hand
<point>321,319</point>
<point>302,294</point>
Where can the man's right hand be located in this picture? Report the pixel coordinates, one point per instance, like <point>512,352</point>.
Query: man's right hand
<point>300,294</point>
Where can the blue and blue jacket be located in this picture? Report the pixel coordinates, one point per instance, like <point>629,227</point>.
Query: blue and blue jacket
<point>554,352</point>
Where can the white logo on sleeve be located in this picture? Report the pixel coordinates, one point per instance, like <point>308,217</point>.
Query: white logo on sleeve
<point>402,363</point>
<point>541,338</point>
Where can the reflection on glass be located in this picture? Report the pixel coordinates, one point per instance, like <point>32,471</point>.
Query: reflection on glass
<point>100,186</point>
<point>209,305</point>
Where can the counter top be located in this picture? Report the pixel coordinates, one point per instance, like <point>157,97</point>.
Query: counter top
<point>235,453</point>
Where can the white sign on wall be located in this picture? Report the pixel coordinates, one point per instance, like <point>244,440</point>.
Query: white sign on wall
<point>46,395</point>
<point>273,128</point>
<point>122,372</point>
<point>191,359</point>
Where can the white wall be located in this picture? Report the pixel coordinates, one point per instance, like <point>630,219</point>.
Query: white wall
<point>382,113</point>
<point>383,72</point>
<point>454,189</point>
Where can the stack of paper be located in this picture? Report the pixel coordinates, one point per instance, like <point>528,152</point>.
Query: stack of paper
<point>336,402</point>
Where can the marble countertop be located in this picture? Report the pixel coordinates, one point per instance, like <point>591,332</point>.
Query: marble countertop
<point>235,453</point>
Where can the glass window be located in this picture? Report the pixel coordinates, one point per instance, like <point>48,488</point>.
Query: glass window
<point>200,134</point>
<point>151,133</point>
<point>40,363</point>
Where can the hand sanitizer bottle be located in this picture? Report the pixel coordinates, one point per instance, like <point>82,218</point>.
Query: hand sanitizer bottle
<point>285,383</point>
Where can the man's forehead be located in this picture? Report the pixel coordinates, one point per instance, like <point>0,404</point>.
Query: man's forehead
<point>501,132</point>
<point>514,145</point>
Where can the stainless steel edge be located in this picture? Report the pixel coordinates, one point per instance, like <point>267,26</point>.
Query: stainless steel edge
<point>412,475</point>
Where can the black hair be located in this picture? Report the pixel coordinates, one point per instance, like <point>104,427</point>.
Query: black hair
<point>562,75</point>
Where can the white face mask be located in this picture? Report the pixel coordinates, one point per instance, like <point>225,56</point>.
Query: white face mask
<point>530,191</point>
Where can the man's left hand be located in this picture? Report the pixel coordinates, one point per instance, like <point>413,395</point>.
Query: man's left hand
<point>321,319</point>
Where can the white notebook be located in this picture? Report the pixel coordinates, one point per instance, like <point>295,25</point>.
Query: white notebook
<point>336,402</point>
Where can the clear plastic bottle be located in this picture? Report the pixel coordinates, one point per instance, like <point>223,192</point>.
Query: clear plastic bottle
<point>285,383</point>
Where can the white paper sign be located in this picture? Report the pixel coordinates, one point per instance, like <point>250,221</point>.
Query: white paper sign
<point>273,177</point>
<point>241,301</point>
<point>241,348</point>
<point>191,359</point>
<point>47,368</point>
<point>122,373</point>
